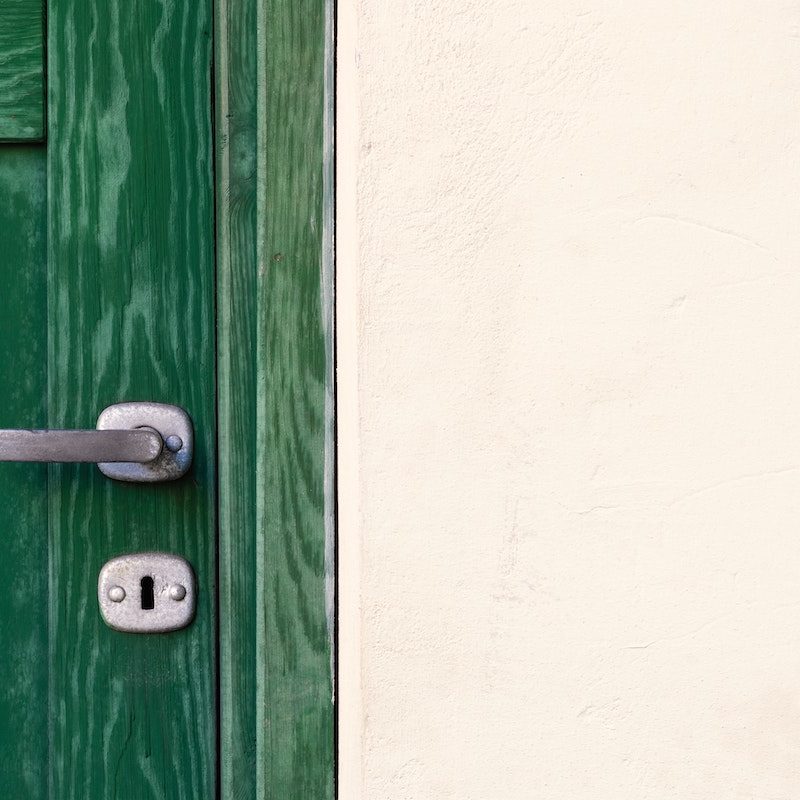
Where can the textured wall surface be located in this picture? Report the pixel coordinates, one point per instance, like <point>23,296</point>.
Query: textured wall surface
<point>569,343</point>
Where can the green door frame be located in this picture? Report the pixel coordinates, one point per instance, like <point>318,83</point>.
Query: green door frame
<point>274,175</point>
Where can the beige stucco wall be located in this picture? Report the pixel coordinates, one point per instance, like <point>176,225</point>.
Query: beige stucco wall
<point>569,364</point>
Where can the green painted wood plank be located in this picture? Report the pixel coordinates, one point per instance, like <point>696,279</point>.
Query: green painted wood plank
<point>295,751</point>
<point>23,511</point>
<point>131,297</point>
<point>21,70</point>
<point>275,287</point>
<point>235,68</point>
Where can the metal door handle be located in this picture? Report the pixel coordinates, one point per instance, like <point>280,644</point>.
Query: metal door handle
<point>140,446</point>
<point>138,442</point>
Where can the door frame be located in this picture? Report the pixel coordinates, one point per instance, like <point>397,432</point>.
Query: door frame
<point>274,173</point>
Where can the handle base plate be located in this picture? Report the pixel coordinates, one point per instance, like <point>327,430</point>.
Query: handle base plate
<point>174,426</point>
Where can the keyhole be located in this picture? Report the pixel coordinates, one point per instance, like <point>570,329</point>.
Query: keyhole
<point>148,600</point>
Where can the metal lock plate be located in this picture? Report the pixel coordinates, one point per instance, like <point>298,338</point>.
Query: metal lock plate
<point>147,593</point>
<point>173,425</point>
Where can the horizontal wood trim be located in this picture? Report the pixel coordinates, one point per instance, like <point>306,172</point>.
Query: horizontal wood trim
<point>21,70</point>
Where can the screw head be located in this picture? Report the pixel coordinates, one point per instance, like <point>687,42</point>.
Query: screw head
<point>173,443</point>
<point>116,594</point>
<point>177,592</point>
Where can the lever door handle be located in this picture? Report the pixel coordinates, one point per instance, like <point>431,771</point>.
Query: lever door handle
<point>137,442</point>
<point>141,447</point>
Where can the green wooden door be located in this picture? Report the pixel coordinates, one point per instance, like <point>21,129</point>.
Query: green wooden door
<point>165,232</point>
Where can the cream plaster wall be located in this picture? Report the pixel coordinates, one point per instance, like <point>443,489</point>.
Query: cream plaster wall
<point>569,384</point>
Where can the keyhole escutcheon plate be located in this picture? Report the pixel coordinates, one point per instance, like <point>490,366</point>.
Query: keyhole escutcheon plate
<point>147,593</point>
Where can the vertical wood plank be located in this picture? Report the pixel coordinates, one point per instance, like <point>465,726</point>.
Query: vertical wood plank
<point>236,40</point>
<point>131,296</point>
<point>21,70</point>
<point>23,511</point>
<point>295,702</point>
<point>276,411</point>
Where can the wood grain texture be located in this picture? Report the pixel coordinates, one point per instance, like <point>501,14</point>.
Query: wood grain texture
<point>295,701</point>
<point>21,70</point>
<point>131,297</point>
<point>236,63</point>
<point>23,510</point>
<point>275,420</point>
